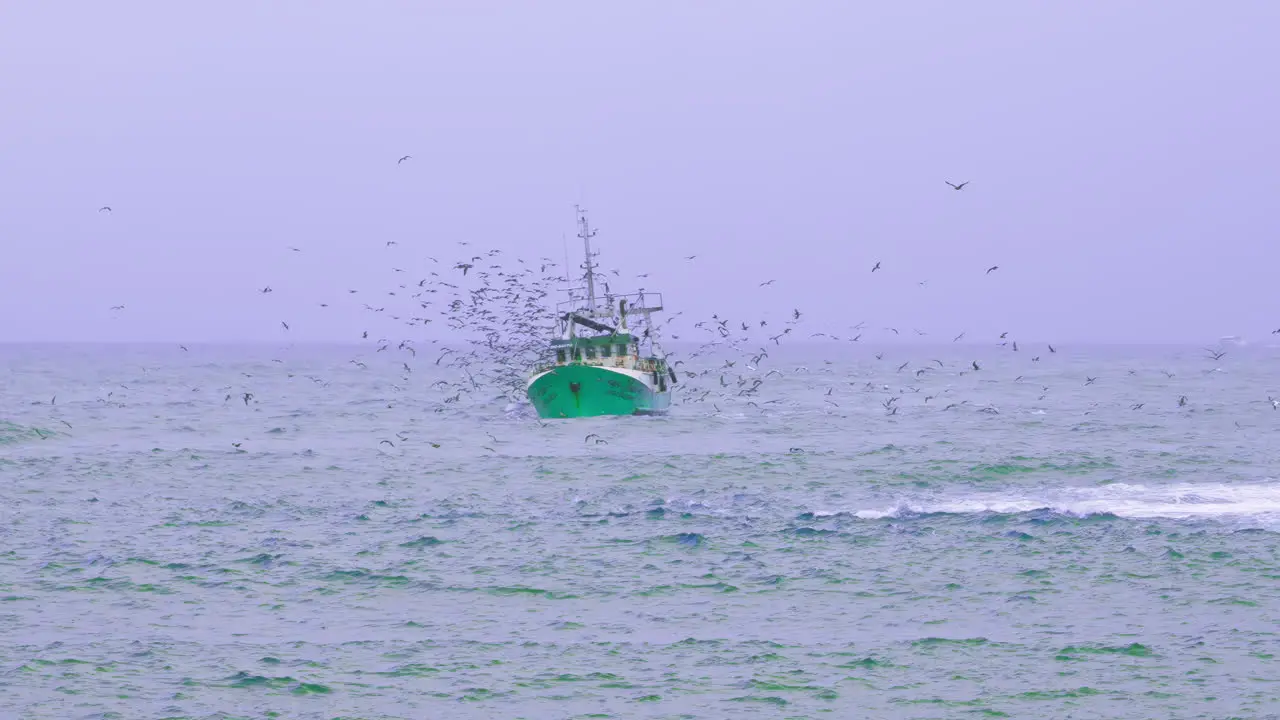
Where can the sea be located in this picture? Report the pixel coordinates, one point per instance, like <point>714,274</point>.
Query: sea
<point>218,531</point>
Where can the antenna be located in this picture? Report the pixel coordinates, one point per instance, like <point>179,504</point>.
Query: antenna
<point>565,242</point>
<point>586,233</point>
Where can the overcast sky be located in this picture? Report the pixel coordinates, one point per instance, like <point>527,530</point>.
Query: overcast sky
<point>1124,160</point>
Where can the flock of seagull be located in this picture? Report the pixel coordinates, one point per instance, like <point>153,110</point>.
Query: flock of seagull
<point>499,312</point>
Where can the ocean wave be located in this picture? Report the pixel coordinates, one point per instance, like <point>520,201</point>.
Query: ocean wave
<point>1119,499</point>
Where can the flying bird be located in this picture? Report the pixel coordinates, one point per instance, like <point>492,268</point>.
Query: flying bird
<point>105,208</point>
<point>957,187</point>
<point>406,157</point>
<point>992,269</point>
<point>877,267</point>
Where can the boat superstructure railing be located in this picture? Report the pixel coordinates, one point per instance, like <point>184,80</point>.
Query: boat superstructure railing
<point>626,312</point>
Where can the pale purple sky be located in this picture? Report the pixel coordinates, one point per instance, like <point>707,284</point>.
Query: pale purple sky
<point>1124,160</point>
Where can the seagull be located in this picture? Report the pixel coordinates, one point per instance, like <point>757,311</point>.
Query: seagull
<point>877,267</point>
<point>406,157</point>
<point>766,282</point>
<point>992,268</point>
<point>117,307</point>
<point>957,187</point>
<point>105,208</point>
<point>284,324</point>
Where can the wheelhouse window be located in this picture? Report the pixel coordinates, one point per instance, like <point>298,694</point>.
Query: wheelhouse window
<point>604,351</point>
<point>591,353</point>
<point>560,356</point>
<point>577,355</point>
<point>622,349</point>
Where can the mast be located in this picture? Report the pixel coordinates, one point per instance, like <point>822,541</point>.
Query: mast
<point>586,233</point>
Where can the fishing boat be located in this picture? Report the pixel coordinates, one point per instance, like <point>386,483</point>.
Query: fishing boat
<point>604,358</point>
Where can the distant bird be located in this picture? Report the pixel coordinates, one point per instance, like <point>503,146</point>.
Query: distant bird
<point>957,338</point>
<point>690,257</point>
<point>265,290</point>
<point>877,267</point>
<point>1090,380</point>
<point>295,249</point>
<point>992,268</point>
<point>1051,349</point>
<point>1182,401</point>
<point>284,324</point>
<point>1215,354</point>
<point>247,397</point>
<point>184,347</point>
<point>976,366</point>
<point>388,442</point>
<point>1003,335</point>
<point>406,157</point>
<point>105,208</point>
<point>392,242</point>
<point>117,307</point>
<point>957,187</point>
<point>766,282</point>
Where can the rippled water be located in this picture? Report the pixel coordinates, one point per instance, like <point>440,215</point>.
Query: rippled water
<point>168,552</point>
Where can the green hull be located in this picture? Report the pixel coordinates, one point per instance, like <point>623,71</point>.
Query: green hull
<point>571,391</point>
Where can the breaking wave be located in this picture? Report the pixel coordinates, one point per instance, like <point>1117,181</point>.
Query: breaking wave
<point>1119,499</point>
